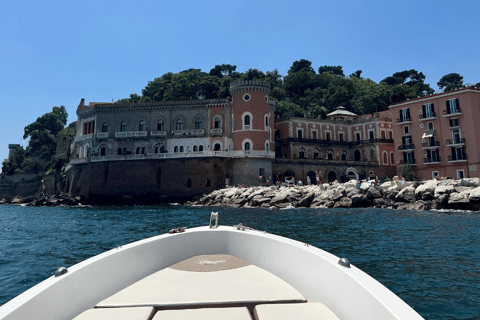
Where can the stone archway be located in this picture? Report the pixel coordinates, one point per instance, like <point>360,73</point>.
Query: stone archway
<point>352,173</point>
<point>332,176</point>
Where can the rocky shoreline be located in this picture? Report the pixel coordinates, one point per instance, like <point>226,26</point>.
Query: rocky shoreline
<point>461,194</point>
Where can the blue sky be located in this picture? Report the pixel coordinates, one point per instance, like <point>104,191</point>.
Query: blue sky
<point>57,52</point>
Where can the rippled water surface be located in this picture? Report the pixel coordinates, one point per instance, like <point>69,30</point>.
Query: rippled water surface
<point>430,259</point>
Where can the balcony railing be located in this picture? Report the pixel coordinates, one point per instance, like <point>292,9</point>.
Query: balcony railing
<point>131,134</point>
<point>404,119</point>
<point>216,131</point>
<point>197,132</point>
<point>161,133</point>
<point>452,111</point>
<point>180,132</point>
<point>404,147</point>
<point>334,142</point>
<point>431,144</point>
<point>432,160</point>
<point>461,157</point>
<point>102,135</point>
<point>458,141</point>
<point>411,161</point>
<point>428,115</point>
<point>84,137</point>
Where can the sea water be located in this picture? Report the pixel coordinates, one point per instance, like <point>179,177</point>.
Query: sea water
<point>429,259</point>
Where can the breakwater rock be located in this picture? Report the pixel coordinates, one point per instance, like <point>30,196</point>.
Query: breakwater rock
<point>461,194</point>
<point>55,200</point>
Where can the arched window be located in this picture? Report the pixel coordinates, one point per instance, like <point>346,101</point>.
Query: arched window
<point>218,123</point>
<point>356,155</point>
<point>217,147</point>
<point>175,149</point>
<point>123,126</point>
<point>392,158</point>
<point>267,146</point>
<point>330,155</point>
<point>266,120</point>
<point>138,150</point>
<point>301,153</point>
<point>160,125</point>
<point>143,150</point>
<point>372,155</point>
<point>105,127</point>
<point>200,148</point>
<point>246,120</point>
<point>344,155</point>
<point>103,151</point>
<point>195,148</point>
<point>142,125</point>
<point>198,123</point>
<point>180,124</point>
<point>157,149</point>
<point>247,146</point>
<point>385,158</point>
<point>119,151</point>
<point>181,149</point>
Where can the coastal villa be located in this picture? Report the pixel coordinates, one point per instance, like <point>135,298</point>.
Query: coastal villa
<point>343,146</point>
<point>439,134</point>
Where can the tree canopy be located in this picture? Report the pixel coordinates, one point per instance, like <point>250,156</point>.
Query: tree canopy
<point>450,82</point>
<point>301,92</point>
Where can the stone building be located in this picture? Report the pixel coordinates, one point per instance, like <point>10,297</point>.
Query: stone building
<point>439,134</point>
<point>342,146</point>
<point>207,143</point>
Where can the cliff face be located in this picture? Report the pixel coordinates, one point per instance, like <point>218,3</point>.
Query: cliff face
<point>20,188</point>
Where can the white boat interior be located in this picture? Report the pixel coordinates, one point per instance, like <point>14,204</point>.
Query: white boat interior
<point>204,273</point>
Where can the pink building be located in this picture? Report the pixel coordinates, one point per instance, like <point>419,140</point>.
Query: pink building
<point>439,134</point>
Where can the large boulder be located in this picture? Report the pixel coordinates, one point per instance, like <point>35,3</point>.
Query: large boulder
<point>365,186</point>
<point>391,194</point>
<point>407,194</point>
<point>327,195</point>
<point>406,206</point>
<point>278,199</point>
<point>440,202</point>
<point>427,187</point>
<point>373,193</point>
<point>387,185</point>
<point>470,182</point>
<point>378,202</point>
<point>343,203</point>
<point>306,200</point>
<point>459,200</point>
<point>361,200</point>
<point>440,190</point>
<point>329,204</point>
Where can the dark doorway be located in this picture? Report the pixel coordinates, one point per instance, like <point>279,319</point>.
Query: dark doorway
<point>332,176</point>
<point>356,155</point>
<point>313,179</point>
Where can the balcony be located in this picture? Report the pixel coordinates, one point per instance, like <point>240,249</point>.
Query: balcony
<point>430,144</point>
<point>456,142</point>
<point>457,157</point>
<point>198,132</point>
<point>180,132</point>
<point>216,131</point>
<point>84,137</point>
<point>432,160</point>
<point>452,112</point>
<point>131,134</point>
<point>162,133</point>
<point>428,115</point>
<point>404,120</point>
<point>406,147</point>
<point>102,135</point>
<point>410,161</point>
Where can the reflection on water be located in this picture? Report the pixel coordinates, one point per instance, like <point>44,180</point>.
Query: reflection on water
<point>430,259</point>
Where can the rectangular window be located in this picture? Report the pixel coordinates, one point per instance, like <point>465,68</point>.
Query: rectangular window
<point>358,136</point>
<point>456,135</point>
<point>371,135</point>
<point>454,122</point>
<point>405,129</point>
<point>405,115</point>
<point>314,135</point>
<point>460,174</point>
<point>434,174</point>
<point>430,125</point>
<point>330,156</point>
<point>383,134</point>
<point>300,134</point>
<point>341,137</point>
<point>315,155</point>
<point>327,135</point>
<point>390,135</point>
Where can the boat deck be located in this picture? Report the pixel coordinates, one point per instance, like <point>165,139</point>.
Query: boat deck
<point>209,287</point>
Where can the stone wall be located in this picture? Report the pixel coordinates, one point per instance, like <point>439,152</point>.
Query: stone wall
<point>146,181</point>
<point>19,188</point>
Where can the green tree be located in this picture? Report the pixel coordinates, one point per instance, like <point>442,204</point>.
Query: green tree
<point>409,172</point>
<point>43,132</point>
<point>450,82</point>
<point>336,70</point>
<point>15,163</point>
<point>222,70</point>
<point>357,74</point>
<point>301,65</point>
<point>407,84</point>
